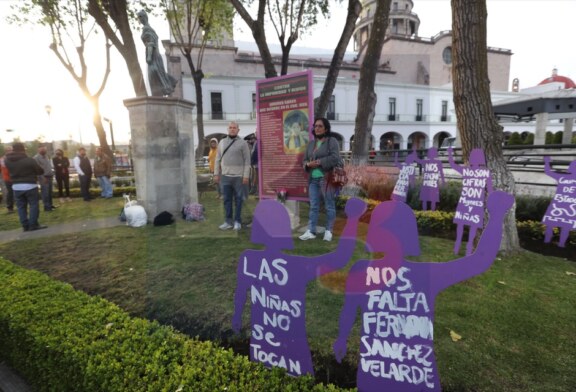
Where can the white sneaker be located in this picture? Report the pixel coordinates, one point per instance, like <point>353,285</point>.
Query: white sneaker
<point>237,226</point>
<point>225,226</point>
<point>307,236</point>
<point>327,235</point>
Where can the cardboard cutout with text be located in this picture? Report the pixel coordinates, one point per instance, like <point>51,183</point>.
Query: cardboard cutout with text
<point>476,184</point>
<point>396,298</point>
<point>405,176</point>
<point>432,175</point>
<point>276,286</point>
<point>562,209</point>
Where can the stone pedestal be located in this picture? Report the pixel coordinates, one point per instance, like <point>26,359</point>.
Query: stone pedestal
<point>163,153</point>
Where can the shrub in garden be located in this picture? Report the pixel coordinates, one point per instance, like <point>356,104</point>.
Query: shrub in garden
<point>515,139</point>
<point>558,137</point>
<point>531,208</point>
<point>60,339</point>
<point>529,140</point>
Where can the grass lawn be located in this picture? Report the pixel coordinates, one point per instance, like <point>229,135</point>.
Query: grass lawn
<point>74,210</point>
<point>517,320</point>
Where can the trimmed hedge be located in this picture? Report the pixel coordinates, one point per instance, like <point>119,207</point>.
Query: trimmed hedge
<point>441,222</point>
<point>61,339</point>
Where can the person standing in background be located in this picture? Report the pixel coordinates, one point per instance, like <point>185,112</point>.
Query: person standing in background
<point>252,142</point>
<point>232,172</point>
<point>24,172</point>
<point>6,181</point>
<point>212,161</point>
<point>84,170</point>
<point>46,178</point>
<point>102,172</point>
<point>61,170</point>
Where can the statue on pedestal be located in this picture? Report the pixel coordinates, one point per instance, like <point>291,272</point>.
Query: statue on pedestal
<point>161,84</point>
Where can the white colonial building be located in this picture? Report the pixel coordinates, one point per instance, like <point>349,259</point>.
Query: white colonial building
<point>415,106</point>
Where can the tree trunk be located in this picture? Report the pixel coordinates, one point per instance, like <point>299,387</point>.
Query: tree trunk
<point>321,106</point>
<point>257,28</point>
<point>476,121</point>
<point>97,121</point>
<point>366,94</point>
<point>117,10</point>
<point>198,75</point>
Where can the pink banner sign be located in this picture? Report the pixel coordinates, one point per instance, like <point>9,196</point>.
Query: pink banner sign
<point>285,114</point>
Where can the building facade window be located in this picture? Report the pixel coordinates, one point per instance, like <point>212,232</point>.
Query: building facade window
<point>216,105</point>
<point>447,55</point>
<point>444,116</point>
<point>391,109</point>
<point>331,112</point>
<point>253,114</point>
<point>419,108</point>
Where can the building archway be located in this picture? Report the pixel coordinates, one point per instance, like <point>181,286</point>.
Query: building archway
<point>439,138</point>
<point>417,141</point>
<point>390,141</point>
<point>207,138</point>
<point>370,147</point>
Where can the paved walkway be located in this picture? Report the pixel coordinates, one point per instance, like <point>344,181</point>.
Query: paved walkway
<point>9,380</point>
<point>64,228</point>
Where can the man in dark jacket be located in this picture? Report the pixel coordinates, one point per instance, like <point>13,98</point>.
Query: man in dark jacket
<point>24,172</point>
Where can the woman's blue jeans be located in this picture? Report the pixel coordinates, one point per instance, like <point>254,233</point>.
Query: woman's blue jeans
<point>317,191</point>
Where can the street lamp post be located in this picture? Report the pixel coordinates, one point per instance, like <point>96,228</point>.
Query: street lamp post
<point>48,109</point>
<point>111,132</point>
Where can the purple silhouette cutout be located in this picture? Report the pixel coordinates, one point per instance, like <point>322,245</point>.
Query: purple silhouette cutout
<point>476,182</point>
<point>396,298</point>
<point>405,176</point>
<point>562,209</point>
<point>277,283</point>
<point>431,176</point>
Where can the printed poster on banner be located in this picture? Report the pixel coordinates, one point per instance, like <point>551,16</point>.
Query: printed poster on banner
<point>285,114</point>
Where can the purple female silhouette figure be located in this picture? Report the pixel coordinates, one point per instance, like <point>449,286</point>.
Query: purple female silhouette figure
<point>562,209</point>
<point>431,177</point>
<point>277,283</point>
<point>396,298</point>
<point>405,176</point>
<point>476,182</point>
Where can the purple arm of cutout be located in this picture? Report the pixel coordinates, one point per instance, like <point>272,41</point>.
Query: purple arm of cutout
<point>396,163</point>
<point>441,170</point>
<point>348,312</point>
<point>341,256</point>
<point>443,275</point>
<point>453,164</point>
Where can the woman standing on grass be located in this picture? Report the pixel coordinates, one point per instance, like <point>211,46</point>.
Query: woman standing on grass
<point>322,155</point>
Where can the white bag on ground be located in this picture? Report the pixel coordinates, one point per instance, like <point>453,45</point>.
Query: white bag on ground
<point>135,214</point>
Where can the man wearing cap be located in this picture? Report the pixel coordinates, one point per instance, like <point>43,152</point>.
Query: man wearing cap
<point>24,172</point>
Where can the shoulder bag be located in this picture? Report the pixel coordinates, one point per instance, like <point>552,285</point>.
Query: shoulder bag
<point>337,176</point>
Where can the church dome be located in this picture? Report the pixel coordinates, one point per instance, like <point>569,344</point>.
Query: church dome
<point>555,78</point>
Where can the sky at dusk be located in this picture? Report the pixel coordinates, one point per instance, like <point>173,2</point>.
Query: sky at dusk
<point>539,33</point>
